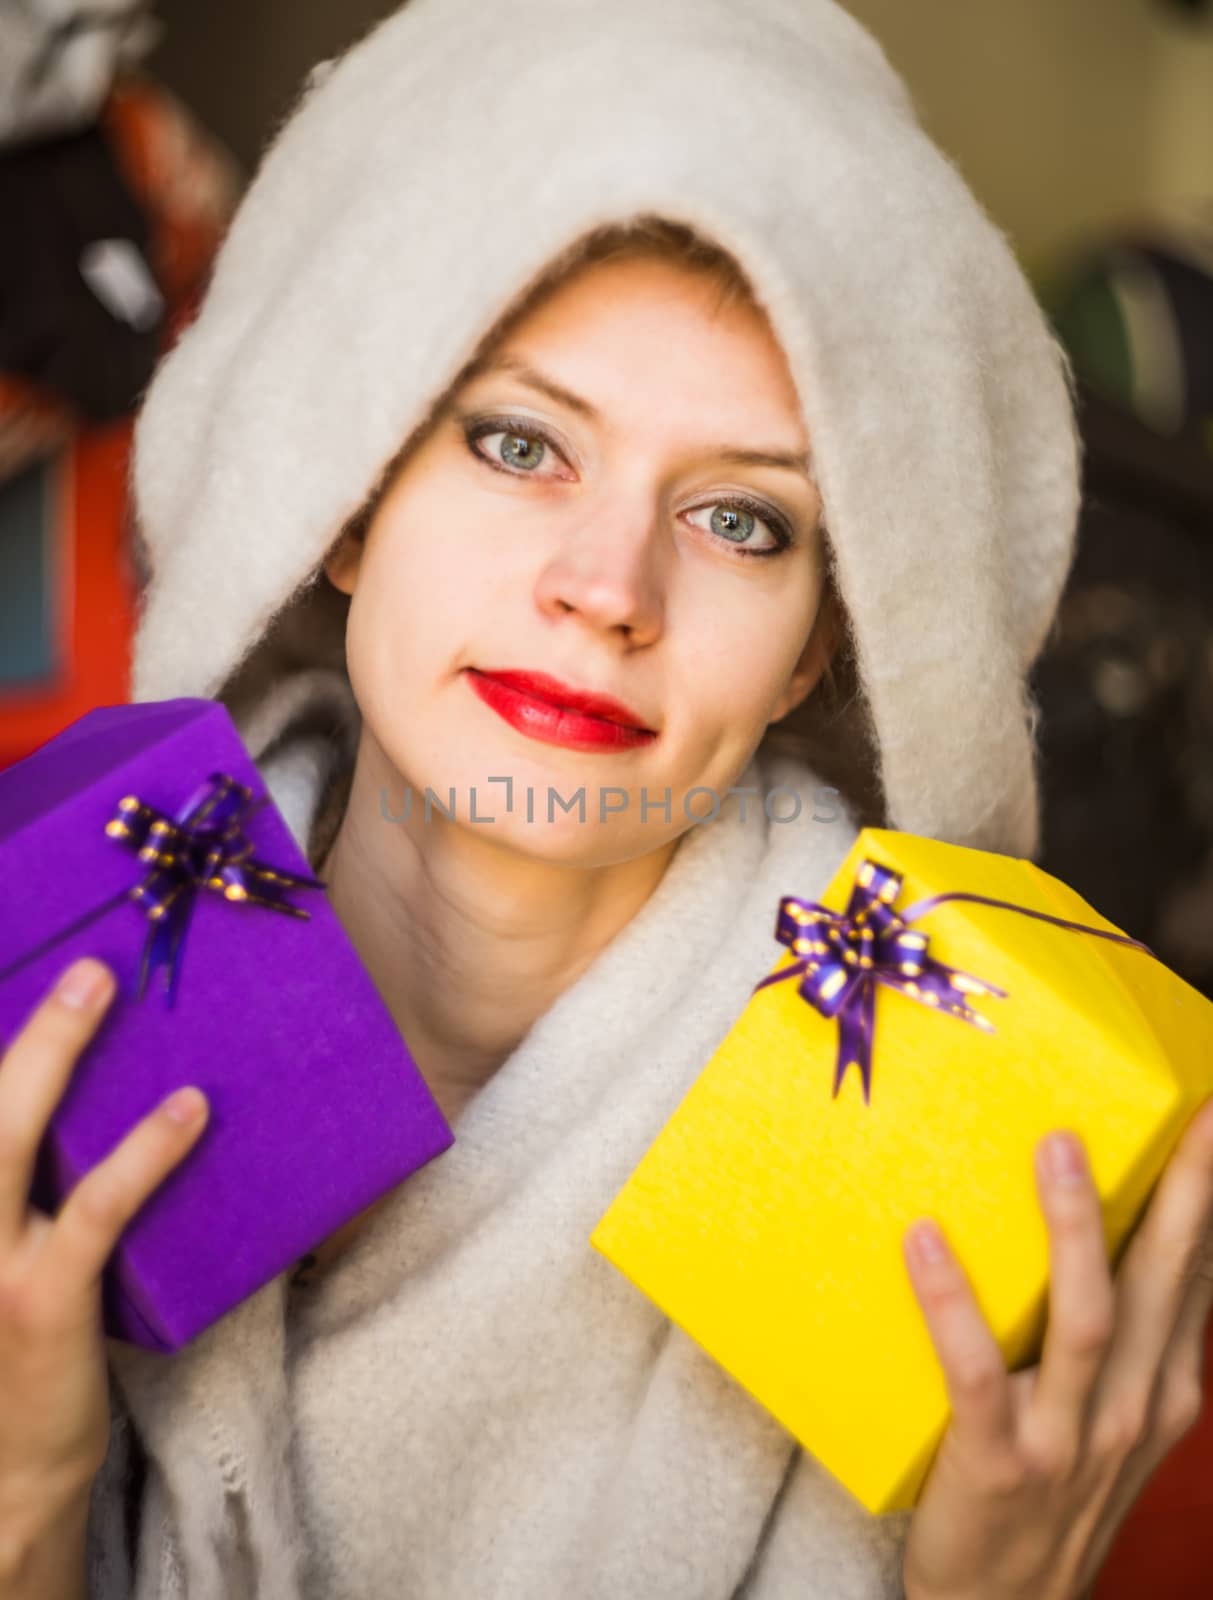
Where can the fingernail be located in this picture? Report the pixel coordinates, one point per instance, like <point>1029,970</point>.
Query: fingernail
<point>82,984</point>
<point>185,1105</point>
<point>1063,1159</point>
<point>927,1243</point>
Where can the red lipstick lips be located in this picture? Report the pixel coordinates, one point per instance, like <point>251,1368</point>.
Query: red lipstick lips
<point>555,713</point>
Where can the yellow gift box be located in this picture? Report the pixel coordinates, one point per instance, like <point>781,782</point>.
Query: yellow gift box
<point>767,1217</point>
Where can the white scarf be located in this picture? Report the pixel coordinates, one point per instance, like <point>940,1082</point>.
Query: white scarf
<point>474,1402</point>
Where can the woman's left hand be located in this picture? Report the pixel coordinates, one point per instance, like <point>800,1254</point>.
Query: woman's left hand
<point>1039,1468</point>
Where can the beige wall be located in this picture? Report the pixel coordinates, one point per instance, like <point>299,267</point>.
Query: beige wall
<point>1061,114</point>
<point>1183,143</point>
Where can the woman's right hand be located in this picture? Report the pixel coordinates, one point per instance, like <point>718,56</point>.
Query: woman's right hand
<point>54,1393</point>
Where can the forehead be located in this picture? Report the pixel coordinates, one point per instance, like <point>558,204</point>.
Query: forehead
<point>635,284</point>
<point>639,333</point>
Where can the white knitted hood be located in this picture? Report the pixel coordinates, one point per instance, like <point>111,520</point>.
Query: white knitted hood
<point>435,170</point>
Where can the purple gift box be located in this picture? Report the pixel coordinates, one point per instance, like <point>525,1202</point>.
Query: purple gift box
<point>316,1106</point>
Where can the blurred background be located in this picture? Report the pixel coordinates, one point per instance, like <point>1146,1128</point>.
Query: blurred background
<point>128,129</point>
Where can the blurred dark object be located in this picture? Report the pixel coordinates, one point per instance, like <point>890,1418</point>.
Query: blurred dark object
<point>1126,692</point>
<point>1135,312</point>
<point>80,312</point>
<point>101,271</point>
<point>59,60</point>
<point>145,177</point>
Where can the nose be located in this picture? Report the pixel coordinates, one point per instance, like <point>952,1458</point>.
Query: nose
<point>607,570</point>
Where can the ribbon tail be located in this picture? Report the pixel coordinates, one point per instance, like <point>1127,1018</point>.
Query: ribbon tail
<point>163,945</point>
<point>856,1028</point>
<point>868,1034</point>
<point>145,963</point>
<point>793,971</point>
<point>921,907</point>
<point>177,950</point>
<point>64,933</point>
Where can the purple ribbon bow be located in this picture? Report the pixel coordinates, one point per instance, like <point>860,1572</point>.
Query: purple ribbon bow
<point>843,956</point>
<point>202,847</point>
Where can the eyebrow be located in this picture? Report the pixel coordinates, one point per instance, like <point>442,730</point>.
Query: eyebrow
<point>534,379</point>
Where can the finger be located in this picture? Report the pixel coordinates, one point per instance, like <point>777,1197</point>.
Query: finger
<point>100,1206</point>
<point>34,1073</point>
<point>1082,1304</point>
<point>1179,1393</point>
<point>1184,1360</point>
<point>1157,1276</point>
<point>1178,1406</point>
<point>974,1367</point>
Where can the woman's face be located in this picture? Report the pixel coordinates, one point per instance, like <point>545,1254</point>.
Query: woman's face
<point>581,510</point>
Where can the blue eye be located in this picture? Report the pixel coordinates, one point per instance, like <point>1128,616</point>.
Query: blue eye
<point>527,457</point>
<point>734,520</point>
<point>523,446</point>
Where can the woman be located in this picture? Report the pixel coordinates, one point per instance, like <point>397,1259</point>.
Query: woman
<point>425,380</point>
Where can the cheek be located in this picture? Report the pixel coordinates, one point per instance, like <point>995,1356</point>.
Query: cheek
<point>734,667</point>
<point>405,611</point>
